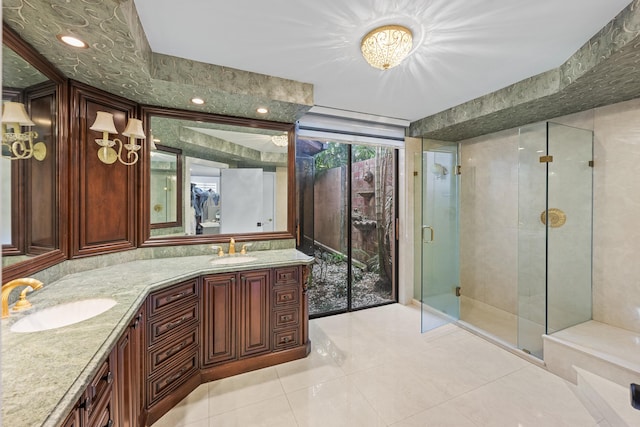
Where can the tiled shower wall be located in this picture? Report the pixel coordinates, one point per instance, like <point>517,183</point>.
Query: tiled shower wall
<point>489,213</point>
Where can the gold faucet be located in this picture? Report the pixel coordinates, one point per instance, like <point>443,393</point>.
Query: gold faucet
<point>232,246</point>
<point>22,302</point>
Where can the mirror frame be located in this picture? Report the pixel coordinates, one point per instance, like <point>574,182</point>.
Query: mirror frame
<point>144,226</point>
<point>13,41</point>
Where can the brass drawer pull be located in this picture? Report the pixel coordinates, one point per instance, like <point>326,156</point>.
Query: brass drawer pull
<point>176,349</point>
<point>286,318</point>
<point>176,296</point>
<point>175,377</point>
<point>176,323</point>
<point>286,297</point>
<point>285,340</point>
<point>109,424</point>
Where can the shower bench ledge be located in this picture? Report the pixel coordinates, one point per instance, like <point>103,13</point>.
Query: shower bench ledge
<point>607,351</point>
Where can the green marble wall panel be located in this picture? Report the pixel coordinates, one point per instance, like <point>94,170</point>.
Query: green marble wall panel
<point>603,71</point>
<point>119,60</point>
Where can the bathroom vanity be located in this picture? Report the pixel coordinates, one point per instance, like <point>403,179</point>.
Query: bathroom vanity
<point>178,322</point>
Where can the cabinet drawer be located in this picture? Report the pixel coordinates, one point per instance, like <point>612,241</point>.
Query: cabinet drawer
<point>99,388</point>
<point>179,320</point>
<point>286,276</point>
<point>286,318</point>
<point>286,338</point>
<point>175,348</point>
<point>162,301</point>
<point>285,295</point>
<point>164,383</point>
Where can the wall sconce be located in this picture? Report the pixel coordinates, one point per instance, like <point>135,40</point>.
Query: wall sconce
<point>16,144</point>
<point>106,154</point>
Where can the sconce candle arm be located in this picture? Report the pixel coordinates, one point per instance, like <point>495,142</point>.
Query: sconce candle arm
<point>131,152</point>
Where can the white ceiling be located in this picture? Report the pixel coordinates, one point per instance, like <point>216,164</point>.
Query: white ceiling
<point>254,141</point>
<point>462,48</point>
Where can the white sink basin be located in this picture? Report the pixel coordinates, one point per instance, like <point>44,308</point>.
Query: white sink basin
<point>233,260</point>
<point>63,315</point>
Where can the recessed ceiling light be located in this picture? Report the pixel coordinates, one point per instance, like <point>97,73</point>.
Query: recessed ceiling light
<point>197,101</point>
<point>262,110</point>
<point>72,41</point>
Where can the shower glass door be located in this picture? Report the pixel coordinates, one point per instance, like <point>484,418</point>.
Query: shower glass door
<point>440,236</point>
<point>569,207</point>
<point>554,231</point>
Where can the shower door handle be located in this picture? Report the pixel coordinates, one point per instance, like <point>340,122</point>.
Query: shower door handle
<point>424,227</point>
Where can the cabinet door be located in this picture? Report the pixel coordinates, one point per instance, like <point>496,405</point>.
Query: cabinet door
<point>219,318</point>
<point>255,312</point>
<point>129,373</point>
<point>73,420</point>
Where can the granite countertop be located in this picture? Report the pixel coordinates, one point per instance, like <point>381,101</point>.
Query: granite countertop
<point>44,373</point>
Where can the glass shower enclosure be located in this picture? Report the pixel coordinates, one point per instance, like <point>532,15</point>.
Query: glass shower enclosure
<point>555,192</point>
<point>551,285</point>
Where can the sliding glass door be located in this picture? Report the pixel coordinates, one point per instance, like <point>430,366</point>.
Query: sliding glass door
<point>346,211</point>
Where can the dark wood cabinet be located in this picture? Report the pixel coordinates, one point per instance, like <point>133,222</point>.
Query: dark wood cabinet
<point>97,405</point>
<point>219,314</point>
<point>172,346</point>
<point>73,419</point>
<point>255,313</point>
<point>192,332</point>
<point>129,374</point>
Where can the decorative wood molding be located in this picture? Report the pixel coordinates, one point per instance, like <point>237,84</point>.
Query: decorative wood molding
<point>144,228</point>
<point>103,197</point>
<point>25,268</point>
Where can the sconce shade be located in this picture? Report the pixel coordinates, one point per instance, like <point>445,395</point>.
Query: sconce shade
<point>134,129</point>
<point>104,123</point>
<point>14,112</point>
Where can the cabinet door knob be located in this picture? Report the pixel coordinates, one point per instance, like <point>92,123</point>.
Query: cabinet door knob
<point>136,323</point>
<point>85,404</point>
<point>108,377</point>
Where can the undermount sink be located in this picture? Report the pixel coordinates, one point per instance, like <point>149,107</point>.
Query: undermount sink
<point>63,315</point>
<point>233,260</point>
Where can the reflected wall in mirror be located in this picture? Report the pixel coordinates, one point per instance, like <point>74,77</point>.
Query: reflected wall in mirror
<point>165,187</point>
<point>235,177</point>
<point>29,194</point>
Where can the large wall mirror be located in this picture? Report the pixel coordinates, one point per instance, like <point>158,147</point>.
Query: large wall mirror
<point>31,183</point>
<point>208,178</point>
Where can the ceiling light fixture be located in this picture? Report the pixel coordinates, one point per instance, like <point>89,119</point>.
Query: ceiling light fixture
<point>72,41</point>
<point>262,110</point>
<point>385,47</point>
<point>197,101</point>
<point>280,140</point>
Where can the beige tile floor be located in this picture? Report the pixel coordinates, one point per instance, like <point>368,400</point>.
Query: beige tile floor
<point>374,368</point>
